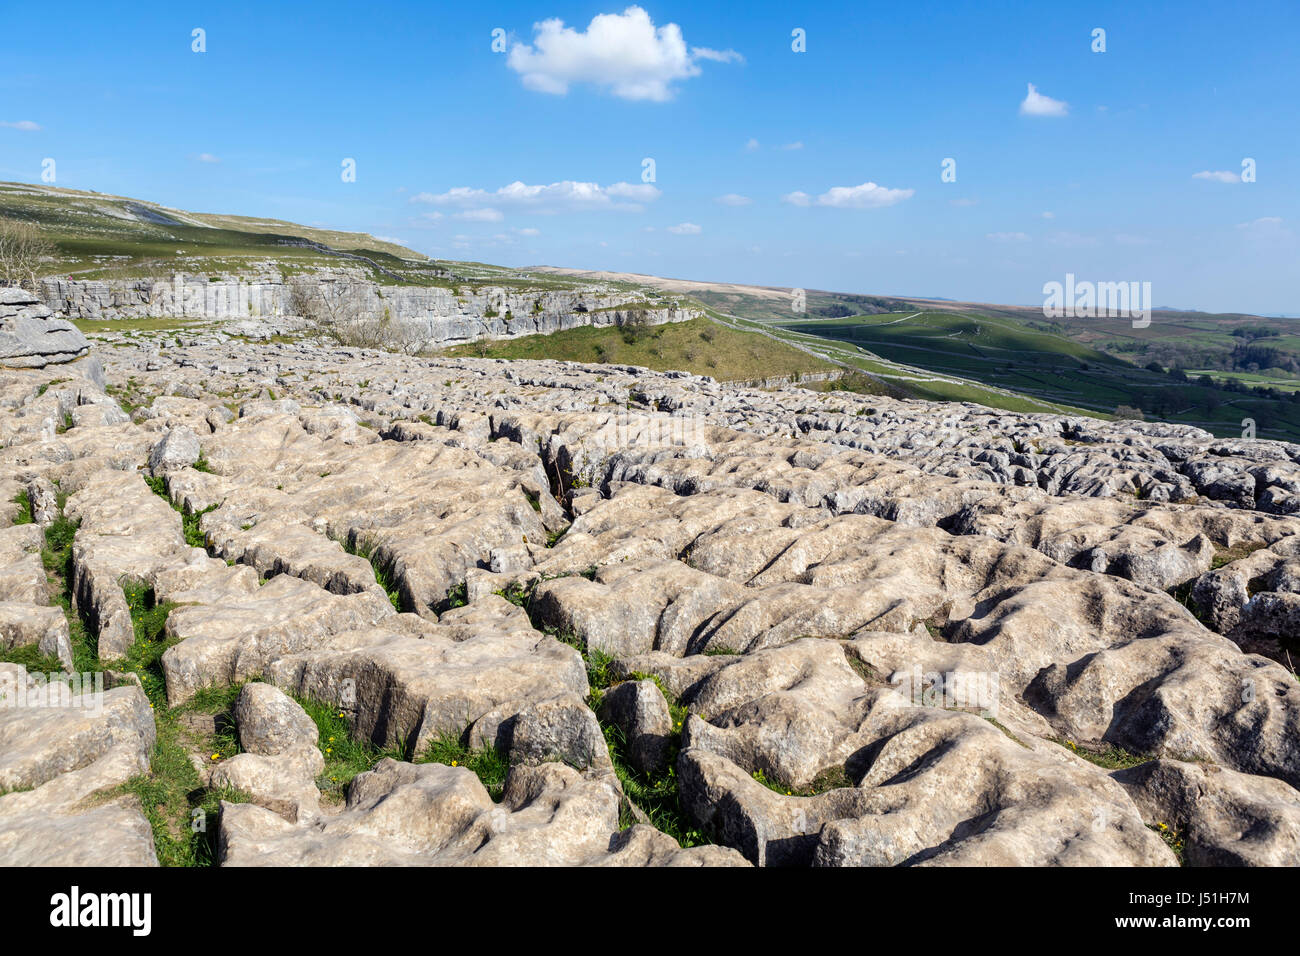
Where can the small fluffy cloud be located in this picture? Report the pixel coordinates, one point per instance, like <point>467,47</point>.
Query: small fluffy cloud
<point>752,145</point>
<point>624,53</point>
<point>565,196</point>
<point>1263,221</point>
<point>795,145</point>
<point>734,199</point>
<point>866,196</point>
<point>1036,104</point>
<point>1218,175</point>
<point>1049,215</point>
<point>717,56</point>
<point>685,229</point>
<point>1008,236</point>
<point>529,231</point>
<point>486,214</point>
<point>206,158</point>
<point>1265,228</point>
<point>27,126</point>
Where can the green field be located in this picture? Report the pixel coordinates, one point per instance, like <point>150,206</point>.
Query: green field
<point>1006,357</point>
<point>698,346</point>
<point>1003,353</point>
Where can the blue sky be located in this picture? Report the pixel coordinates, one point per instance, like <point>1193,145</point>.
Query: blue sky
<point>438,122</point>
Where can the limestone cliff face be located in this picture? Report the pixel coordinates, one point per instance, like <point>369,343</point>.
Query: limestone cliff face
<point>451,315</point>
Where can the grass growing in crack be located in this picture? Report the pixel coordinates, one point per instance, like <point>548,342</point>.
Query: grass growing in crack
<point>56,557</point>
<point>1182,593</point>
<point>656,796</point>
<point>181,811</point>
<point>1003,727</point>
<point>1235,553</point>
<point>345,757</point>
<point>144,659</point>
<point>30,658</point>
<point>1111,758</point>
<point>25,513</point>
<point>457,596</point>
<point>862,668</point>
<point>383,572</point>
<point>203,465</point>
<point>489,764</point>
<point>829,778</point>
<point>190,520</point>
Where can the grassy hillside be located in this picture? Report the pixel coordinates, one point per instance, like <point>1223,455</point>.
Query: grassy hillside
<point>699,346</point>
<point>1003,353</point>
<point>1006,357</point>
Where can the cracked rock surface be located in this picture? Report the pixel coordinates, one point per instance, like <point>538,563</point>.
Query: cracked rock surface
<point>841,630</point>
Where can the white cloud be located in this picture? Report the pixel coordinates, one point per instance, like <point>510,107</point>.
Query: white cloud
<point>752,145</point>
<point>1036,104</point>
<point>27,126</point>
<point>795,145</point>
<point>1008,236</point>
<point>963,202</point>
<point>529,231</point>
<point>622,52</point>
<point>866,196</point>
<point>717,56</point>
<point>206,158</point>
<point>392,239</point>
<point>486,214</point>
<point>733,199</point>
<point>1049,215</point>
<point>1218,175</point>
<point>1265,228</point>
<point>685,229</point>
<point>567,195</point>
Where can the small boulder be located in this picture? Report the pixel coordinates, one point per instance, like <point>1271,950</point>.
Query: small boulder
<point>639,710</point>
<point>270,723</point>
<point>178,448</point>
<point>30,336</point>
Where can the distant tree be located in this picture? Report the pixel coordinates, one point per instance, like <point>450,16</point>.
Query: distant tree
<point>1128,411</point>
<point>339,309</point>
<point>22,251</point>
<point>632,324</point>
<point>835,311</point>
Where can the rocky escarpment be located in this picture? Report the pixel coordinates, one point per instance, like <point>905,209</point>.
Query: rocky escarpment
<point>445,315</point>
<point>696,624</point>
